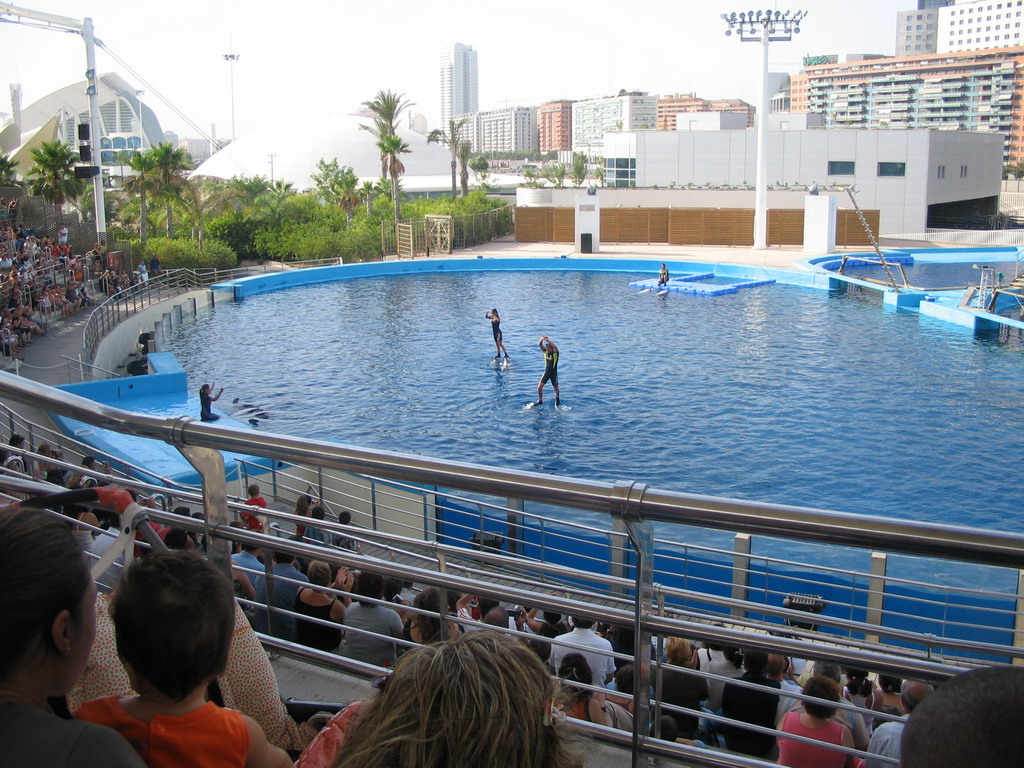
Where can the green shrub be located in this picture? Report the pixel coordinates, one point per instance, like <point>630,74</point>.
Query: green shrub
<point>178,254</point>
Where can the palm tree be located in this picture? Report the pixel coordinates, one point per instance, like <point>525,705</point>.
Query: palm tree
<point>451,139</point>
<point>348,193</point>
<point>272,202</point>
<point>367,191</point>
<point>171,163</point>
<point>141,184</point>
<point>244,190</point>
<point>52,175</point>
<point>8,170</point>
<point>202,198</point>
<point>387,107</point>
<point>465,150</point>
<point>391,149</point>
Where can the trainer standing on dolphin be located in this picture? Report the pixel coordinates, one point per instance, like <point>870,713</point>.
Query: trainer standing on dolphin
<point>547,346</point>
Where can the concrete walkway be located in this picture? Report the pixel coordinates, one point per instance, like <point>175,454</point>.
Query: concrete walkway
<point>44,358</point>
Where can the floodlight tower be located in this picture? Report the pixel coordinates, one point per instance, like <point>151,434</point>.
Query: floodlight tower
<point>231,58</point>
<point>763,27</point>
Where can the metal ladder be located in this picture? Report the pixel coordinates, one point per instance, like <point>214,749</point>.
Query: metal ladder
<point>874,242</point>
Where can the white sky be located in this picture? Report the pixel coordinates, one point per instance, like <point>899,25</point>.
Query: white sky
<point>331,55</point>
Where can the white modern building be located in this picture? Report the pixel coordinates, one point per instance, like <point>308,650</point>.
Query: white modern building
<point>512,129</point>
<point>593,118</point>
<point>460,89</point>
<point>977,25</point>
<point>126,123</point>
<point>908,175</point>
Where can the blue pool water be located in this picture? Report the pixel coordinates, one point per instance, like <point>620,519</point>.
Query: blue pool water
<point>777,393</point>
<point>933,276</point>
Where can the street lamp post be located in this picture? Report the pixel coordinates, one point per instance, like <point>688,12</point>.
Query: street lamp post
<point>231,58</point>
<point>271,159</point>
<point>763,27</point>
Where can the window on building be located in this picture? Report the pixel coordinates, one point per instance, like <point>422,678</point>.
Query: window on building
<point>942,172</point>
<point>892,169</point>
<point>963,171</point>
<point>840,168</point>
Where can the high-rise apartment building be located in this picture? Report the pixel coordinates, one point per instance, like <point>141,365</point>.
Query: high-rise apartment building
<point>977,25</point>
<point>554,126</point>
<point>592,118</point>
<point>460,91</point>
<point>512,129</point>
<point>973,91</point>
<point>670,106</point>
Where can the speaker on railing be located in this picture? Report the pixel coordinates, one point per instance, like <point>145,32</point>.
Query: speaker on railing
<point>83,131</point>
<point>86,171</point>
<point>85,153</point>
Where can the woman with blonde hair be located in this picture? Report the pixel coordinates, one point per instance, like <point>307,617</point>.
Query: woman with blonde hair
<point>682,689</point>
<point>482,699</point>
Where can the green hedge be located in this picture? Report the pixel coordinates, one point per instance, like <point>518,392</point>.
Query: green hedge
<point>178,254</point>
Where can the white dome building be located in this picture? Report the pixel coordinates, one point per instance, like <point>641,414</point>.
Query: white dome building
<point>296,145</point>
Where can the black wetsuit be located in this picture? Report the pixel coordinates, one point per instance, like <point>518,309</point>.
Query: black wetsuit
<point>663,277</point>
<point>205,407</point>
<point>550,367</point>
<point>496,327</point>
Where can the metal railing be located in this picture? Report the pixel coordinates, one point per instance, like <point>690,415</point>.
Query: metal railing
<point>630,593</point>
<point>168,284</point>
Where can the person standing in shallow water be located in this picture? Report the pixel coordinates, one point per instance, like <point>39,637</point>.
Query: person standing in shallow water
<point>547,346</point>
<point>496,331</point>
<point>206,402</point>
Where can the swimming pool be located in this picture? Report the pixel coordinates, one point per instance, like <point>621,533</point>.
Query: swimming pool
<point>777,393</point>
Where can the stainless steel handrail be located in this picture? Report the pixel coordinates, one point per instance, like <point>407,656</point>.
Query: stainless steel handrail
<point>808,524</point>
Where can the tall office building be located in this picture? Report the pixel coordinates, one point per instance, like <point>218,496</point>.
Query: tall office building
<point>967,91</point>
<point>460,91</point>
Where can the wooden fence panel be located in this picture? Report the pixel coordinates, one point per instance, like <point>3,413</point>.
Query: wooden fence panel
<point>564,225</point>
<point>849,230</point>
<point>785,227</point>
<point>610,225</point>
<point>658,228</point>
<point>534,225</point>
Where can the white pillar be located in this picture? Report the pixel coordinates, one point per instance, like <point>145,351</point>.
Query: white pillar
<point>820,224</point>
<point>94,130</point>
<point>761,180</point>
<point>588,221</point>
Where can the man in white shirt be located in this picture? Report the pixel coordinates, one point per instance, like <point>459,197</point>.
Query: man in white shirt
<point>887,737</point>
<point>583,640</point>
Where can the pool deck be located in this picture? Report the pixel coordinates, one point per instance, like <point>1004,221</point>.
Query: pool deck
<point>783,257</point>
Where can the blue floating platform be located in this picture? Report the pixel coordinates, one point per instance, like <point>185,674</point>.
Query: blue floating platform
<point>691,284</point>
<point>854,263</point>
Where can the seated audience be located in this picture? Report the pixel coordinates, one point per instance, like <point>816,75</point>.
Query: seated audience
<point>454,703</point>
<point>370,616</point>
<point>680,688</point>
<point>886,738</point>
<point>46,632</point>
<point>319,604</point>
<point>724,662</point>
<point>288,579</point>
<point>585,704</point>
<point>170,723</point>
<point>595,649</point>
<point>816,721</point>
<point>751,706</point>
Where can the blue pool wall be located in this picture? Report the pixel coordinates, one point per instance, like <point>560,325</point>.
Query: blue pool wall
<point>274,281</point>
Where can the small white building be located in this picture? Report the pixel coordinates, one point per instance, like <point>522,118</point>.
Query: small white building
<point>906,174</point>
<point>592,118</point>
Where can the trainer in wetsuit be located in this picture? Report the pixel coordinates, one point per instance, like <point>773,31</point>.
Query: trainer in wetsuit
<point>662,276</point>
<point>547,346</point>
<point>206,402</point>
<point>496,330</point>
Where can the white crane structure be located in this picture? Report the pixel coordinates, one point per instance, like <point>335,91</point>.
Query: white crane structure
<point>83,27</point>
